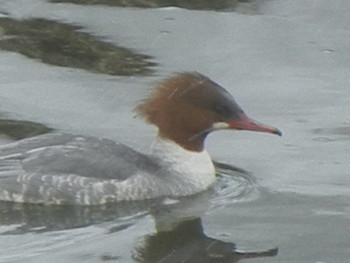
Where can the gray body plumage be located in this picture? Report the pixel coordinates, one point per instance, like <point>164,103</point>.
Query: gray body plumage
<point>69,169</point>
<point>53,168</point>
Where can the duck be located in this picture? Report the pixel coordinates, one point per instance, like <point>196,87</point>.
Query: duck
<point>62,169</point>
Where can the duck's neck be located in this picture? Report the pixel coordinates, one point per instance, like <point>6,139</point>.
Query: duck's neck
<point>190,167</point>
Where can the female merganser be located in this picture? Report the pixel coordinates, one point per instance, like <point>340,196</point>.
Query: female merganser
<point>70,169</point>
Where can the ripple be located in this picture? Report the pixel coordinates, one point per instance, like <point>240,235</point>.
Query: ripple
<point>233,185</point>
<point>332,134</point>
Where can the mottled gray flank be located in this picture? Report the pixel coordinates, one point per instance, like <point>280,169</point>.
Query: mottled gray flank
<point>68,169</point>
<point>62,168</point>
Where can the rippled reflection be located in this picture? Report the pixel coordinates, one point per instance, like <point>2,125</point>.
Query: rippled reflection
<point>186,243</point>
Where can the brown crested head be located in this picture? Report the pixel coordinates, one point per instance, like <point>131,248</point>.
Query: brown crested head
<point>188,106</point>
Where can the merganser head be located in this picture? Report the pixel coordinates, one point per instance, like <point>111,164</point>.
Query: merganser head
<point>188,106</point>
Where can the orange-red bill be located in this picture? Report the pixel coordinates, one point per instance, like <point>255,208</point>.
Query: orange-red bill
<point>244,123</point>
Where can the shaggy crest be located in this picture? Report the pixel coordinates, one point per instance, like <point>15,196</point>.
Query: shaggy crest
<point>186,85</point>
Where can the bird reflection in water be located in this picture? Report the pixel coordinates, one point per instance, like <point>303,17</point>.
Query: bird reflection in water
<point>187,243</point>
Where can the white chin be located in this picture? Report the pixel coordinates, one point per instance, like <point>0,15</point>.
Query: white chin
<point>220,126</point>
